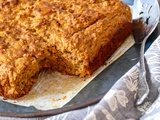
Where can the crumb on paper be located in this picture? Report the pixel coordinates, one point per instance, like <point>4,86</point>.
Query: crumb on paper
<point>53,99</point>
<point>4,98</point>
<point>64,97</point>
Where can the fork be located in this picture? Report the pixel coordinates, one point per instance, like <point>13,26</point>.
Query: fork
<point>145,20</point>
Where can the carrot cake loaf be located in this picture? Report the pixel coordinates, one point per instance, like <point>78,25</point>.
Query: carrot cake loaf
<point>73,37</point>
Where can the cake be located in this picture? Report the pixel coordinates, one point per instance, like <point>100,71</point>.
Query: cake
<point>73,37</point>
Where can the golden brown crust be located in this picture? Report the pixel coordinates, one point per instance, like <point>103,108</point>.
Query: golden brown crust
<point>118,38</point>
<point>74,37</point>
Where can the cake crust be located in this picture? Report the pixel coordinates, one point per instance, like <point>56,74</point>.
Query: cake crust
<point>74,37</point>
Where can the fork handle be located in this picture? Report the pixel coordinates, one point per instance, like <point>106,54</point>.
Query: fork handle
<point>143,89</point>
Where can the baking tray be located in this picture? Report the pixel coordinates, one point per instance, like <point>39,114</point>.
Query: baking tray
<point>93,92</point>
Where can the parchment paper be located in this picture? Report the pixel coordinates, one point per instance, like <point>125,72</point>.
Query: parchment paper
<point>54,90</point>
